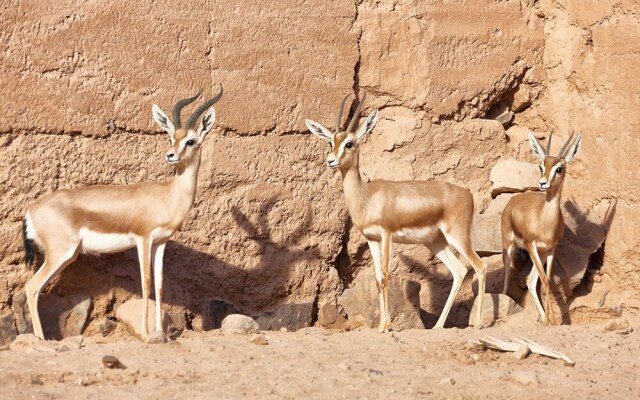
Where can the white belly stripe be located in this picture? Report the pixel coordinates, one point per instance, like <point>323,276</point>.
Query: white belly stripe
<point>99,243</point>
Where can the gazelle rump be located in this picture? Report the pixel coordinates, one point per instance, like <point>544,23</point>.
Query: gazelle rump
<point>436,214</point>
<point>113,218</point>
<point>533,221</point>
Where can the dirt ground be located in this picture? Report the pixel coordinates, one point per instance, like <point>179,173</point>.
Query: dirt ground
<point>313,363</point>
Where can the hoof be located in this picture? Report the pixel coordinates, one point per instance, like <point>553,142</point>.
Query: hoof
<point>157,337</point>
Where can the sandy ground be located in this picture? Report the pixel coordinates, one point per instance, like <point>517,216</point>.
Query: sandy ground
<point>314,363</point>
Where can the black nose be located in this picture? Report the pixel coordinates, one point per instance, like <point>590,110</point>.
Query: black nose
<point>170,155</point>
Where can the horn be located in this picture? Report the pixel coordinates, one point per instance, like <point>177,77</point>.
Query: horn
<point>356,114</point>
<point>178,107</point>
<point>196,114</point>
<point>549,143</point>
<point>340,110</point>
<point>566,146</point>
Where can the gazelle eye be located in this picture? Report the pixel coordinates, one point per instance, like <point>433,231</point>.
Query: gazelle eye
<point>559,170</point>
<point>541,170</point>
<point>190,142</point>
<point>348,145</point>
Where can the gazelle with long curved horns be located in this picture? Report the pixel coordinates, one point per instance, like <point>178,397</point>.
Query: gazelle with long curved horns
<point>108,218</point>
<point>533,221</point>
<point>436,214</point>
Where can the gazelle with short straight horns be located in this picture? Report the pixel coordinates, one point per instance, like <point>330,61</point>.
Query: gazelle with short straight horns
<point>533,221</point>
<point>436,214</point>
<point>109,218</point>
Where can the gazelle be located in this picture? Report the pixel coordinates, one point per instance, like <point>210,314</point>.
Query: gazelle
<point>436,214</point>
<point>533,221</point>
<point>108,218</point>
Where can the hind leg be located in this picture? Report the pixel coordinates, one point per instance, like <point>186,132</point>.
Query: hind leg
<point>507,261</point>
<point>461,241</point>
<point>458,271</point>
<point>55,262</point>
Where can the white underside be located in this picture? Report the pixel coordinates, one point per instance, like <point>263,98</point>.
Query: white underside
<point>99,243</point>
<point>406,235</point>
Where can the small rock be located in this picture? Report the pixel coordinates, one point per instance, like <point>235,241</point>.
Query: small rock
<point>112,362</point>
<point>157,337</point>
<point>447,382</point>
<point>495,307</point>
<point>106,327</point>
<point>620,326</point>
<point>130,313</point>
<point>63,317</point>
<point>505,118</point>
<point>329,316</point>
<point>605,346</point>
<point>239,323</point>
<point>522,352</point>
<point>344,366</point>
<point>475,357</point>
<point>316,331</point>
<point>291,316</point>
<point>526,378</point>
<point>8,330</point>
<point>258,338</point>
<point>25,340</point>
<point>36,380</point>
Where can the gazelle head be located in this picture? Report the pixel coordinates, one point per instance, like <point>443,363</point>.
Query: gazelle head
<point>553,169</point>
<point>344,142</point>
<point>186,141</point>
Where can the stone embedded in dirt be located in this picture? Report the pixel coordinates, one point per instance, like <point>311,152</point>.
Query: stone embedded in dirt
<point>513,176</point>
<point>112,362</point>
<point>330,317</point>
<point>24,341</point>
<point>292,316</point>
<point>8,330</point>
<point>239,323</point>
<point>71,343</point>
<point>130,313</point>
<point>64,316</point>
<point>258,338</point>
<point>212,312</point>
<point>447,382</point>
<point>361,299</point>
<point>157,337</point>
<point>106,327</point>
<point>495,307</point>
<point>526,378</point>
<point>620,326</point>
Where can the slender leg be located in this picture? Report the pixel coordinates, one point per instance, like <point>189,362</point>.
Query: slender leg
<point>550,258</point>
<point>158,254</point>
<point>533,252</point>
<point>386,255</point>
<point>532,286</point>
<point>507,261</point>
<point>376,255</point>
<point>54,263</point>
<point>458,271</point>
<point>462,243</point>
<point>144,257</point>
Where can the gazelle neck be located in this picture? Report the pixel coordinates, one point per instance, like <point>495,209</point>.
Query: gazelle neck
<point>185,181</point>
<point>353,187</point>
<point>551,207</point>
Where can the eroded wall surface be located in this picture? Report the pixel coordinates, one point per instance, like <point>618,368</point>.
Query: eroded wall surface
<point>269,224</point>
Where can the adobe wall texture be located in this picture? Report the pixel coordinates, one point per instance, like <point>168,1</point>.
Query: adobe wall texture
<point>269,224</point>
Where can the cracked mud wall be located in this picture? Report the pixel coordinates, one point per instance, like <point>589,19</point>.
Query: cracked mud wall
<point>269,223</point>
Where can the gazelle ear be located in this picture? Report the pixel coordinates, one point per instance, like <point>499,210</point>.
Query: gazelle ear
<point>161,119</point>
<point>368,125</point>
<point>535,146</point>
<point>205,124</point>
<point>319,130</point>
<point>573,150</point>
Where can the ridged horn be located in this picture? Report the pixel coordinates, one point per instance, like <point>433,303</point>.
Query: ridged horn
<point>566,146</point>
<point>177,108</point>
<point>356,114</point>
<point>549,144</point>
<point>340,110</point>
<point>198,112</point>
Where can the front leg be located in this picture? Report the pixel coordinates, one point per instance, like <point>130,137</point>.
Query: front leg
<point>386,255</point>
<point>535,257</point>
<point>376,255</point>
<point>144,258</point>
<point>550,258</point>
<point>158,254</point>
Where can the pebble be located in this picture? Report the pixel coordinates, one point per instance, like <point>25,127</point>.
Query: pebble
<point>447,381</point>
<point>522,352</point>
<point>259,338</point>
<point>526,378</point>
<point>112,362</point>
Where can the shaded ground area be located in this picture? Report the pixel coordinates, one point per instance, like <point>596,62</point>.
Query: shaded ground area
<point>314,363</point>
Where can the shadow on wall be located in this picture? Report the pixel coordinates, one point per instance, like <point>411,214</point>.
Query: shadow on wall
<point>192,277</point>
